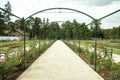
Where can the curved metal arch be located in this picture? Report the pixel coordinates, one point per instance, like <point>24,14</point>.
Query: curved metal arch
<point>61,8</point>
<point>10,13</point>
<point>109,14</point>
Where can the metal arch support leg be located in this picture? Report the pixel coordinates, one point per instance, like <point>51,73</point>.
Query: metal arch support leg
<point>24,43</point>
<point>95,45</point>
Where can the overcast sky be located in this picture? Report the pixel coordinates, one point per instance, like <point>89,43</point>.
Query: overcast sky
<point>95,8</point>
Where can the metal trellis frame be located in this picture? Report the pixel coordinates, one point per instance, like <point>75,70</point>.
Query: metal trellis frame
<point>60,8</point>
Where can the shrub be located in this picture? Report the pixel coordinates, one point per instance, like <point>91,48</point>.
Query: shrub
<point>8,66</point>
<point>115,66</point>
<point>105,63</point>
<point>79,50</point>
<point>116,76</point>
<point>90,56</point>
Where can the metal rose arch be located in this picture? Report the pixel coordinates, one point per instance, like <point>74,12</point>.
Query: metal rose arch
<point>60,8</point>
<point>94,20</point>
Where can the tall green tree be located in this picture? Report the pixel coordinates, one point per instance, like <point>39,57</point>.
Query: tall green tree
<point>67,27</point>
<point>84,31</point>
<point>44,28</point>
<point>108,33</point>
<point>36,26</point>
<point>5,18</point>
<point>75,29</point>
<point>7,12</point>
<point>18,24</point>
<point>2,24</point>
<point>30,24</point>
<point>99,31</point>
<point>113,33</point>
<point>54,31</point>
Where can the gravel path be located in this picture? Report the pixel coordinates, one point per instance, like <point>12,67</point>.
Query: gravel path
<point>59,63</point>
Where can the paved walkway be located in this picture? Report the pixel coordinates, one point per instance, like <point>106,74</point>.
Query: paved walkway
<point>116,58</point>
<point>59,63</point>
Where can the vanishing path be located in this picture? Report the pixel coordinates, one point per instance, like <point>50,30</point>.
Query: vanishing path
<point>59,63</point>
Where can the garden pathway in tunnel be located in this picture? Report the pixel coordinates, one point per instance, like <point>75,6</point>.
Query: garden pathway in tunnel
<point>59,62</point>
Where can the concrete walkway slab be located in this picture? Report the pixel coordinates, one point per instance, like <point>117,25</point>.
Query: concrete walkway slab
<point>59,62</point>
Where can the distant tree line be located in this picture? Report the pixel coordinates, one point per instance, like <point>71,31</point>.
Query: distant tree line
<point>43,29</point>
<point>113,33</point>
<point>52,30</point>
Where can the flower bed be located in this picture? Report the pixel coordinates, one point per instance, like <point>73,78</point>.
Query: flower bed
<point>106,67</point>
<point>14,61</point>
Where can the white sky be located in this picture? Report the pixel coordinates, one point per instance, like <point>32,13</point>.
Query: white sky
<point>95,8</point>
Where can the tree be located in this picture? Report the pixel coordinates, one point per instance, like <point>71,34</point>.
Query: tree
<point>7,12</point>
<point>43,29</point>
<point>30,23</point>
<point>75,29</point>
<point>54,31</point>
<point>67,27</point>
<point>108,33</point>
<point>113,33</point>
<point>2,25</point>
<point>84,31</point>
<point>36,26</point>
<point>99,31</point>
<point>5,18</point>
<point>12,25</point>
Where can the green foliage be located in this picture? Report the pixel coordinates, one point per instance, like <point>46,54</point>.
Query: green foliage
<point>79,50</point>
<point>75,30</point>
<point>7,67</point>
<point>116,71</point>
<point>99,32</point>
<point>115,41</point>
<point>105,63</point>
<point>67,29</point>
<point>112,68</point>
<point>116,76</point>
<point>112,33</point>
<point>16,62</point>
<point>2,25</point>
<point>90,56</point>
<point>115,66</point>
<point>53,30</point>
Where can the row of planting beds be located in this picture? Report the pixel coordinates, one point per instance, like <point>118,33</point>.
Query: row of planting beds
<point>112,44</point>
<point>106,67</point>
<point>13,61</point>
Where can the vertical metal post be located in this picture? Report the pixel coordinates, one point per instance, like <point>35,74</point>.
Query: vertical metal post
<point>39,46</point>
<point>39,41</point>
<point>79,39</point>
<point>45,36</point>
<point>79,46</point>
<point>24,43</point>
<point>95,44</point>
<point>73,43</point>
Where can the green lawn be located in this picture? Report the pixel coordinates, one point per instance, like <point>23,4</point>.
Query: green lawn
<point>111,44</point>
<point>4,46</point>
